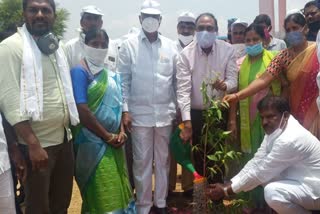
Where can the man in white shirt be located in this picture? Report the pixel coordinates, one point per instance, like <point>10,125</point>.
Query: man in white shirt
<point>7,204</point>
<point>186,29</point>
<point>146,66</point>
<point>91,18</point>
<point>205,59</point>
<point>287,163</point>
<point>271,43</point>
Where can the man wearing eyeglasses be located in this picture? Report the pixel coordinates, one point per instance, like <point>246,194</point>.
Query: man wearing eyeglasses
<point>204,59</point>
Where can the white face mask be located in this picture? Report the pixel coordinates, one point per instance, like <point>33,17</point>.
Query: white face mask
<point>185,40</point>
<point>150,24</point>
<point>95,58</point>
<point>275,134</point>
<point>206,39</point>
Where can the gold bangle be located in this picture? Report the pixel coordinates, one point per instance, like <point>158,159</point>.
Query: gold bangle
<point>112,138</point>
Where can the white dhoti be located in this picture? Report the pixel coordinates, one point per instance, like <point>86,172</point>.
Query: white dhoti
<point>7,204</point>
<point>150,144</point>
<point>289,197</point>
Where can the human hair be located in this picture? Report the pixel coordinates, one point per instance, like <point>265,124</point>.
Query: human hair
<point>297,18</point>
<point>262,19</point>
<point>51,2</point>
<point>256,28</point>
<point>274,102</point>
<point>209,15</point>
<point>310,3</point>
<point>92,34</point>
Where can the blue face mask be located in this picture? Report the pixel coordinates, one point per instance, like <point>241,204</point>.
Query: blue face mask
<point>254,50</point>
<point>295,38</point>
<point>206,39</point>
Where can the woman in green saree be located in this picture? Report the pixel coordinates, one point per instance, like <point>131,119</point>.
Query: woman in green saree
<point>101,172</point>
<point>251,132</point>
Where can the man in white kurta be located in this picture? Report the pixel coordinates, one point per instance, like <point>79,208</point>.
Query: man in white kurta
<point>91,18</point>
<point>146,66</point>
<point>7,204</point>
<point>287,163</point>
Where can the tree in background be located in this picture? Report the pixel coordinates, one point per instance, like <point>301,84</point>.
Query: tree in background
<point>11,17</point>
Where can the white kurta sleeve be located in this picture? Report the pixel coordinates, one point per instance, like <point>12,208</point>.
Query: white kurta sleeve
<point>125,73</point>
<point>231,79</point>
<point>281,156</point>
<point>184,86</point>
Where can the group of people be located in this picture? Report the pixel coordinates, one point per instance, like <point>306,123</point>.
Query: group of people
<point>72,110</point>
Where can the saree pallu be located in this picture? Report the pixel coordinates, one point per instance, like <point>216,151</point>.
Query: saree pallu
<point>251,131</point>
<point>303,91</point>
<point>101,172</point>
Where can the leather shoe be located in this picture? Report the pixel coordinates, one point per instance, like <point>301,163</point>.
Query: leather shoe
<point>163,210</point>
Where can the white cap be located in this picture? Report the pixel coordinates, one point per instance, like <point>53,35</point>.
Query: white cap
<point>150,7</point>
<point>92,10</point>
<point>187,17</point>
<point>239,22</point>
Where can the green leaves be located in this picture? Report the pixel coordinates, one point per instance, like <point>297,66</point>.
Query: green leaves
<point>11,17</point>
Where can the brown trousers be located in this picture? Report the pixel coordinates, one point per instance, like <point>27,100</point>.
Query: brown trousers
<point>49,191</point>
<point>186,177</point>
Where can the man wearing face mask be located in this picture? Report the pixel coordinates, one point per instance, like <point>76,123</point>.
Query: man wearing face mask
<point>271,43</point>
<point>186,29</point>
<point>287,163</point>
<point>37,100</point>
<point>146,66</point>
<point>205,59</point>
<point>237,37</point>
<point>312,15</point>
<point>91,18</point>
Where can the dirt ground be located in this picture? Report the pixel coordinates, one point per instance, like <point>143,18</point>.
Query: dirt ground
<point>176,201</point>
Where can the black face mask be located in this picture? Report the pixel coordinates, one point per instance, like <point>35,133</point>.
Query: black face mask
<point>48,43</point>
<point>314,26</point>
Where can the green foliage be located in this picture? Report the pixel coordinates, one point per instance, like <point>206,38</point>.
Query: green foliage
<point>11,15</point>
<point>217,152</point>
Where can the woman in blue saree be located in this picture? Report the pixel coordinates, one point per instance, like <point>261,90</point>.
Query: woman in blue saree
<point>101,172</point>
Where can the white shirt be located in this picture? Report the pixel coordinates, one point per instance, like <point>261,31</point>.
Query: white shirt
<point>4,157</point>
<point>294,155</point>
<point>318,76</point>
<point>75,53</point>
<point>147,71</point>
<point>194,67</point>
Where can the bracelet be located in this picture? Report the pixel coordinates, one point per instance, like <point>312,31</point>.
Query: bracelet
<point>112,138</point>
<point>225,190</point>
<point>237,97</point>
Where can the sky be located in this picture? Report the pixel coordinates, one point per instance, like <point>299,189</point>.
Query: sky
<point>121,15</point>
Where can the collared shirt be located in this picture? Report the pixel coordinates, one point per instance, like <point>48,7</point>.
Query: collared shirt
<point>294,155</point>
<point>4,157</point>
<point>50,131</point>
<point>194,67</point>
<point>75,53</point>
<point>148,72</point>
<point>276,44</point>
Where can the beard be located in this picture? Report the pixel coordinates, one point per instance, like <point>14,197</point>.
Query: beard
<point>314,26</point>
<point>38,31</point>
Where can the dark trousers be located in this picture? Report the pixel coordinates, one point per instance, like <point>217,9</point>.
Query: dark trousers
<point>49,191</point>
<point>197,120</point>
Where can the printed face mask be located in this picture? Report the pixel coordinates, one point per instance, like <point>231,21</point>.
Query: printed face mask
<point>150,24</point>
<point>206,39</point>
